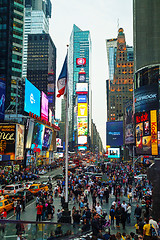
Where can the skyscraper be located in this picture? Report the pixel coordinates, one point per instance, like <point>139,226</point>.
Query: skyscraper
<point>37,14</point>
<point>41,67</point>
<point>120,83</point>
<point>79,51</point>
<point>11,49</point>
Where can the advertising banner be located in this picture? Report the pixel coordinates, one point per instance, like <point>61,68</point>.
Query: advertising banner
<point>82,98</point>
<point>82,140</point>
<point>47,137</point>
<point>29,134</point>
<point>7,140</point>
<point>82,125</point>
<point>82,77</point>
<point>37,138</point>
<point>82,88</point>
<point>19,142</point>
<point>58,142</point>
<point>80,62</point>
<point>32,98</point>
<point>146,98</point>
<point>2,98</point>
<point>82,110</point>
<point>44,107</point>
<point>154,135</point>
<point>128,123</point>
<point>113,153</point>
<point>114,133</point>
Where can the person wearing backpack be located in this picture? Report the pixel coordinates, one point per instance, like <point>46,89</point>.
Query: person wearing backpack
<point>18,211</point>
<point>155,226</point>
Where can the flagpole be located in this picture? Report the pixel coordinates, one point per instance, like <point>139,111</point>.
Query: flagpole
<point>66,142</point>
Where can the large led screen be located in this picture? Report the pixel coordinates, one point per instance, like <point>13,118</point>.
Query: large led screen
<point>47,138</point>
<point>114,134</point>
<point>2,98</point>
<point>82,110</point>
<point>44,107</point>
<point>128,123</point>
<point>32,98</point>
<point>82,140</point>
<point>113,153</point>
<point>82,98</point>
<point>19,142</point>
<point>82,126</point>
<point>81,88</point>
<point>29,133</point>
<point>37,138</point>
<point>8,140</point>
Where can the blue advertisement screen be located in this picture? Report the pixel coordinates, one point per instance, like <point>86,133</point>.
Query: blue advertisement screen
<point>114,134</point>
<point>82,98</point>
<point>37,137</point>
<point>2,98</point>
<point>32,98</point>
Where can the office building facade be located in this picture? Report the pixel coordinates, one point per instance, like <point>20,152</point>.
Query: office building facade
<point>11,50</point>
<point>41,67</point>
<point>79,56</point>
<point>120,86</point>
<point>37,14</point>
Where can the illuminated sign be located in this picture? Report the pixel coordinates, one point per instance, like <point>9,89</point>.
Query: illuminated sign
<point>44,107</point>
<point>2,98</point>
<point>82,126</point>
<point>154,140</point>
<point>82,77</point>
<point>82,140</point>
<point>113,153</point>
<point>19,142</point>
<point>7,140</point>
<point>37,138</point>
<point>32,98</point>
<point>58,142</point>
<point>82,88</point>
<point>82,109</point>
<point>82,98</point>
<point>47,138</point>
<point>114,133</point>
<point>80,62</point>
<point>82,148</point>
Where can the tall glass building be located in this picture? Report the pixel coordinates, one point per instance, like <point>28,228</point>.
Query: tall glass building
<point>37,14</point>
<point>79,47</point>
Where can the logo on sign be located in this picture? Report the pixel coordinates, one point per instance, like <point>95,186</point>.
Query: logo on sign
<point>32,100</point>
<point>81,61</point>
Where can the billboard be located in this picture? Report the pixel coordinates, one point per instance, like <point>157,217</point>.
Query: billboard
<point>82,88</point>
<point>82,148</point>
<point>82,98</point>
<point>146,133</point>
<point>82,77</point>
<point>47,138</point>
<point>113,153</point>
<point>82,110</point>
<point>82,126</point>
<point>8,140</point>
<point>146,98</point>
<point>19,151</point>
<point>114,134</point>
<point>44,107</point>
<point>80,62</point>
<point>37,138</point>
<point>128,123</point>
<point>82,140</point>
<point>2,98</point>
<point>32,98</point>
<point>58,142</point>
<point>29,134</point>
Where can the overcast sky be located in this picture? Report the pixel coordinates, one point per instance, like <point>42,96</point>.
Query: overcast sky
<point>101,18</point>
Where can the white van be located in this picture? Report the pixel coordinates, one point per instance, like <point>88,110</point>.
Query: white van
<point>11,190</point>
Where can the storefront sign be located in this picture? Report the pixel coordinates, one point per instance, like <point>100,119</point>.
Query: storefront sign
<point>154,140</point>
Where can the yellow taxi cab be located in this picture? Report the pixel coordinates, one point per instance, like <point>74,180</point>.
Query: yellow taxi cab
<point>36,187</point>
<point>5,203</point>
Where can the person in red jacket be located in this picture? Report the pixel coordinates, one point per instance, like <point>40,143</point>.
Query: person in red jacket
<point>39,211</point>
<point>4,214</point>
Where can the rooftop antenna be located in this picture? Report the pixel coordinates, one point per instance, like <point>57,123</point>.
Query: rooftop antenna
<point>118,23</point>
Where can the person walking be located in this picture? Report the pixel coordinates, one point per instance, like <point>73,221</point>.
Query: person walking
<point>39,211</point>
<point>18,211</point>
<point>129,210</point>
<point>137,212</point>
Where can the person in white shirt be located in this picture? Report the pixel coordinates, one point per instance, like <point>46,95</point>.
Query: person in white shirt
<point>98,209</point>
<point>129,210</point>
<point>124,205</point>
<point>154,223</point>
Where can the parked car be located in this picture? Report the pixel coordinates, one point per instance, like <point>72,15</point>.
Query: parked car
<point>25,193</point>
<point>12,189</point>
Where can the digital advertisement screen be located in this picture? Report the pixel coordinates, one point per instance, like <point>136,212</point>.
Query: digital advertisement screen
<point>80,62</point>
<point>7,140</point>
<point>113,153</point>
<point>114,134</point>
<point>82,98</point>
<point>146,133</point>
<point>83,148</point>
<point>82,125</point>
<point>2,98</point>
<point>82,140</point>
<point>29,134</point>
<point>129,127</point>
<point>82,110</point>
<point>44,107</point>
<point>82,88</point>
<point>32,98</point>
<point>47,138</point>
<point>146,98</point>
<point>58,142</point>
<point>37,138</point>
<point>19,142</point>
<point>82,77</point>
